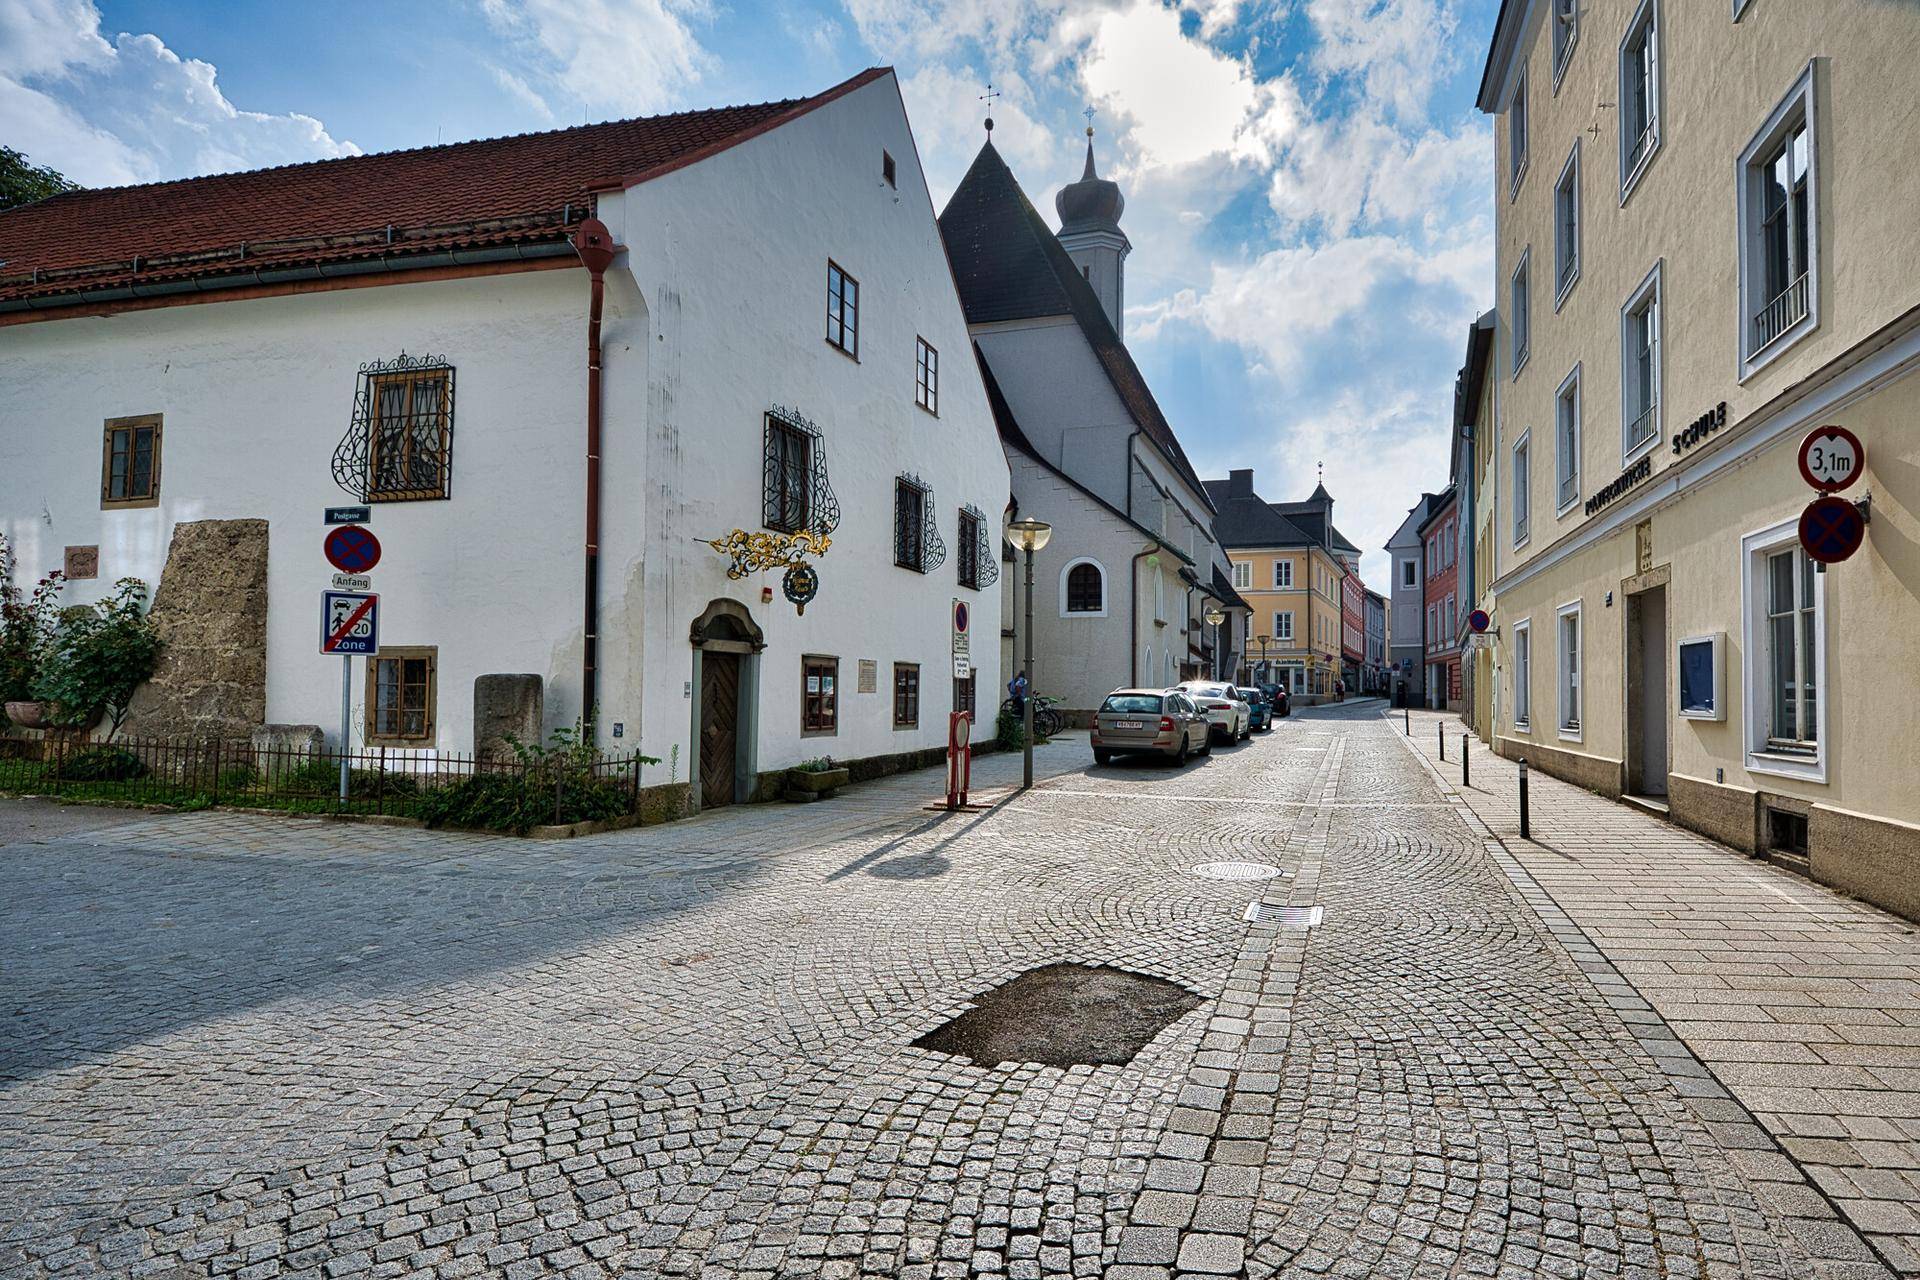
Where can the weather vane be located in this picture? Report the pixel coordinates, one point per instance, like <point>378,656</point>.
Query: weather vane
<point>988,98</point>
<point>1088,113</point>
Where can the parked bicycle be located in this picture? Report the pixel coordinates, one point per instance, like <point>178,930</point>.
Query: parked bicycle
<point>1046,720</point>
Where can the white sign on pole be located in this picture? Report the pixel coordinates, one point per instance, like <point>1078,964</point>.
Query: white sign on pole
<point>352,582</point>
<point>962,668</point>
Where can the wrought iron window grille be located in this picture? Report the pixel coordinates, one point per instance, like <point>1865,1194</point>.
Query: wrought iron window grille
<point>975,553</point>
<point>796,495</point>
<point>399,446</point>
<point>916,534</point>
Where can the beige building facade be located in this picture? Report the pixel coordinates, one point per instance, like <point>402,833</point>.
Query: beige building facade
<point>1706,223</point>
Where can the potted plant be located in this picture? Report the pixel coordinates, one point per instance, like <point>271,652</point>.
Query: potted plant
<point>99,654</point>
<point>27,626</point>
<point>816,779</point>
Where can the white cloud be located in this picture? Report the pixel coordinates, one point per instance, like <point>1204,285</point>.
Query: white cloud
<point>1362,171</point>
<point>634,57</point>
<point>130,110</point>
<point>1397,49</point>
<point>1183,100</point>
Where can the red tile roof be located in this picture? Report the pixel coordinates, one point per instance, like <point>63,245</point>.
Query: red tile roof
<point>520,190</point>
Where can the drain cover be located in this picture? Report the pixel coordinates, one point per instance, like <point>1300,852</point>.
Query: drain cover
<point>1063,1015</point>
<point>1285,917</point>
<point>1237,871</point>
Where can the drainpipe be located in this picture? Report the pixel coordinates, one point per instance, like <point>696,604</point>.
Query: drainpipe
<point>594,243</point>
<point>1133,612</point>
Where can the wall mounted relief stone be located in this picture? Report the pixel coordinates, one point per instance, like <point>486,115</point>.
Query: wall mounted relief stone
<point>210,608</point>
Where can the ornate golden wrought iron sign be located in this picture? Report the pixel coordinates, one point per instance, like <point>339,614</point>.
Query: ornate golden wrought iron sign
<point>752,553</point>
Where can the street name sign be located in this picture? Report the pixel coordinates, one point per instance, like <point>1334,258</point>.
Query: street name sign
<point>348,515</point>
<point>349,623</point>
<point>1831,458</point>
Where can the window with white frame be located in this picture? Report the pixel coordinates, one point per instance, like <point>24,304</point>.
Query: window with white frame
<point>1519,322</point>
<point>1566,33</point>
<point>1640,365</point>
<point>1566,442</point>
<point>1779,229</point>
<point>1522,674</point>
<point>1409,573</point>
<point>1522,485</point>
<point>1639,95</point>
<point>1433,628</point>
<point>1242,576</point>
<point>1566,227</point>
<point>1787,668</point>
<point>1517,136</point>
<point>1569,655</point>
<point>1283,626</point>
<point>1283,574</point>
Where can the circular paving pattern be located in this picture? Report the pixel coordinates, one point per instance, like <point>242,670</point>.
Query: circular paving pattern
<point>1237,871</point>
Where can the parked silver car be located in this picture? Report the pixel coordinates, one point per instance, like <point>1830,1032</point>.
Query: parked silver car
<point>1227,710</point>
<point>1162,722</point>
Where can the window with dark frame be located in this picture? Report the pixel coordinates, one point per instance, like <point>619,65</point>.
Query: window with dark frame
<point>843,310</point>
<point>819,695</point>
<point>909,523</point>
<point>1085,591</point>
<point>402,695</point>
<point>410,419</point>
<point>130,462</point>
<point>886,168</point>
<point>968,549</point>
<point>789,469</point>
<point>926,376</point>
<point>906,695</point>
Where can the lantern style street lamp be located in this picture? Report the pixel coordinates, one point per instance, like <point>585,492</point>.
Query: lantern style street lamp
<point>1029,535</point>
<point>1263,641</point>
<point>1215,616</point>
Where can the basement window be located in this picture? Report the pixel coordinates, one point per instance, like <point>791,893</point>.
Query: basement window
<point>401,695</point>
<point>1787,832</point>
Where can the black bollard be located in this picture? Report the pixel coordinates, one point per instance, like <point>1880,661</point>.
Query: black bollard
<point>1442,727</point>
<point>1406,716</point>
<point>1523,799</point>
<point>1465,779</point>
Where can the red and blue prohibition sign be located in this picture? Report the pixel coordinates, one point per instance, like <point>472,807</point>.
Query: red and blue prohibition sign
<point>352,549</point>
<point>1831,529</point>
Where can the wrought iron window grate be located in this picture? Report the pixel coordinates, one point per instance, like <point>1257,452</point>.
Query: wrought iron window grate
<point>399,447</point>
<point>796,495</point>
<point>974,549</point>
<point>916,534</point>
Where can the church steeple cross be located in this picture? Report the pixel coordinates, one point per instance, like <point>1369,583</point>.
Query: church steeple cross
<point>988,98</point>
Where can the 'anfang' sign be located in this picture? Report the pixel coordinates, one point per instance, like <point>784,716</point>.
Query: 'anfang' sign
<point>1632,476</point>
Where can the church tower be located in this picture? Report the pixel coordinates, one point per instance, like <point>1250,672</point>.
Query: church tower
<point>1090,233</point>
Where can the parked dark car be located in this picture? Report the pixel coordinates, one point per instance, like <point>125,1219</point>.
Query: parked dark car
<point>1278,699</point>
<point>1260,711</point>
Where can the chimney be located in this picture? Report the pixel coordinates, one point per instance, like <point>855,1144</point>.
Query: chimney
<point>1240,484</point>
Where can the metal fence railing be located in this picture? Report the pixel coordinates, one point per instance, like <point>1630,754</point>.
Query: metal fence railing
<point>427,784</point>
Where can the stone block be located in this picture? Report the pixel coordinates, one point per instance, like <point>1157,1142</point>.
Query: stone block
<point>507,708</point>
<point>278,748</point>
<point>210,609</point>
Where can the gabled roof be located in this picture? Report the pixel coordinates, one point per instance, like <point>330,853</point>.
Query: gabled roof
<point>387,207</point>
<point>1223,591</point>
<point>1251,522</point>
<point>1310,516</point>
<point>1416,517</point>
<point>1014,438</point>
<point>1008,265</point>
<point>1438,504</point>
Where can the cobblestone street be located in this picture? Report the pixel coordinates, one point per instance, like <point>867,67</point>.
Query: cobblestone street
<point>254,1046</point>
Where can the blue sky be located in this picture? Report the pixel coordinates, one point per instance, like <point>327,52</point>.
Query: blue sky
<point>1308,186</point>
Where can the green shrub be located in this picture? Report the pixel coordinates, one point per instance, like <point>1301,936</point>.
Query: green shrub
<point>239,777</point>
<point>103,764</point>
<point>99,654</point>
<point>1010,730</point>
<point>819,764</point>
<point>318,774</point>
<point>508,802</point>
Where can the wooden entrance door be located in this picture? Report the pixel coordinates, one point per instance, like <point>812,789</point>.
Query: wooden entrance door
<point>719,725</point>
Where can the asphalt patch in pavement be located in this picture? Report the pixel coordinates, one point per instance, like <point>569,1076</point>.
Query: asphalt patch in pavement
<point>1064,1015</point>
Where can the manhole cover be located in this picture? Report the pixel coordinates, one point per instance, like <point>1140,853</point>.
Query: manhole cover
<point>1237,871</point>
<point>1285,917</point>
<point>1063,1015</point>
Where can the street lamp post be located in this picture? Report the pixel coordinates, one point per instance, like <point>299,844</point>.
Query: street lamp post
<point>1264,641</point>
<point>1215,616</point>
<point>1029,535</point>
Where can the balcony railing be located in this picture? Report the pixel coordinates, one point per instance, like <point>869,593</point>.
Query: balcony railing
<point>1642,147</point>
<point>1642,429</point>
<point>1568,270</point>
<point>1787,309</point>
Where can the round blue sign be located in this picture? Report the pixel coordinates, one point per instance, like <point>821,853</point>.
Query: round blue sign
<point>352,549</point>
<point>1831,529</point>
<point>1478,621</point>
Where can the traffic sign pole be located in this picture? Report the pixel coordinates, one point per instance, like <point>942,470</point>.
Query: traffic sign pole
<point>346,715</point>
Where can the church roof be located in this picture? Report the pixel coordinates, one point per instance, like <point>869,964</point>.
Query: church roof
<point>372,209</point>
<point>1008,265</point>
<point>1311,516</point>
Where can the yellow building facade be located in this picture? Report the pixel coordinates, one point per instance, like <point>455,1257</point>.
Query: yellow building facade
<point>1295,596</point>
<point>1705,225</point>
